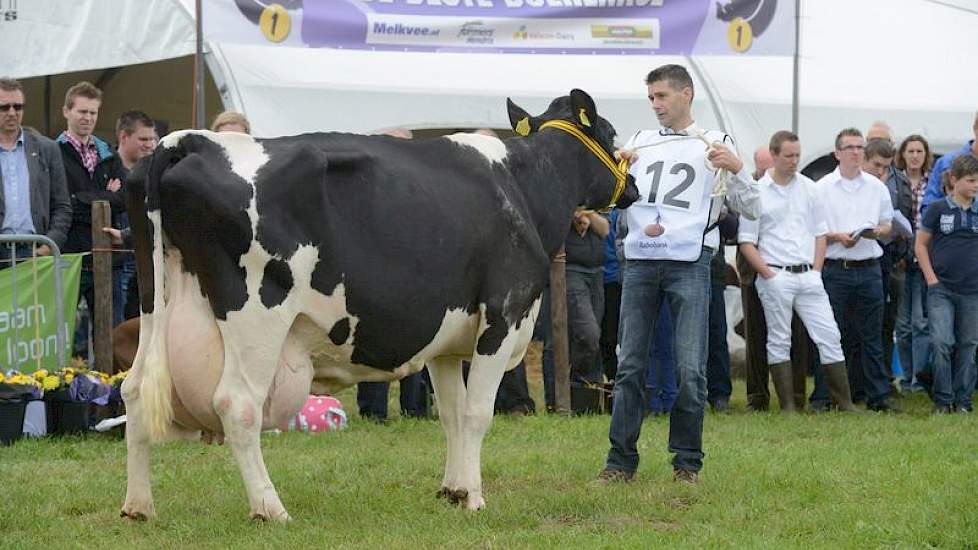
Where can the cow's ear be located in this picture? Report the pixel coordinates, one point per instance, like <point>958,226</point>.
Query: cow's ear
<point>521,121</point>
<point>582,110</point>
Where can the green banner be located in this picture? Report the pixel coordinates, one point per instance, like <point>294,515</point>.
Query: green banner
<point>28,339</point>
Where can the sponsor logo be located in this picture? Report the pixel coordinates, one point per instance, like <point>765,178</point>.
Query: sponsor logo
<point>476,32</point>
<point>653,244</point>
<point>947,223</point>
<point>621,31</point>
<point>398,29</point>
<point>524,34</point>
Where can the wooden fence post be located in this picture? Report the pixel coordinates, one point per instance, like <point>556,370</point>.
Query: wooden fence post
<point>558,332</point>
<point>101,311</point>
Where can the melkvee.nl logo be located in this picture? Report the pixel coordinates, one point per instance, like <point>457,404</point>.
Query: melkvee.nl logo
<point>398,29</point>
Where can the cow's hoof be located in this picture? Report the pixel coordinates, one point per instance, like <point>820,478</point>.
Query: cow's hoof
<point>136,514</point>
<point>454,496</point>
<point>474,502</point>
<point>281,517</point>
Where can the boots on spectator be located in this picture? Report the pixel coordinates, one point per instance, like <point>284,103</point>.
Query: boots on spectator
<point>784,385</point>
<point>838,381</point>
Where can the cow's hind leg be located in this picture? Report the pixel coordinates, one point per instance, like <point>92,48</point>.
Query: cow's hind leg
<point>251,355</point>
<point>446,378</point>
<point>139,496</point>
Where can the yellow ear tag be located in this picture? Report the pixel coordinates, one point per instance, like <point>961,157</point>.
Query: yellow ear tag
<point>584,120</point>
<point>523,127</point>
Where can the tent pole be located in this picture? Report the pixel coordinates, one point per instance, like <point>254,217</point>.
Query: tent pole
<point>47,105</point>
<point>197,110</point>
<point>794,84</point>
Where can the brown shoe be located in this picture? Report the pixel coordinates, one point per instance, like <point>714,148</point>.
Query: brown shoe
<point>688,476</point>
<point>612,475</point>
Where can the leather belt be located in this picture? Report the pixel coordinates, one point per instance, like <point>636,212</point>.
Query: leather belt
<point>800,268</point>
<point>850,264</point>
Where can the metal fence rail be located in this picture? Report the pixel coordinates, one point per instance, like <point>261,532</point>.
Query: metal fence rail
<point>61,337</point>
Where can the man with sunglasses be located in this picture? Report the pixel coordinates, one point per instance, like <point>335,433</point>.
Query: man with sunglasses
<point>33,192</point>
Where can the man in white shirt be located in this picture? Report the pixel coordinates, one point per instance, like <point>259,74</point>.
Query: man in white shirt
<point>670,241</point>
<point>858,211</point>
<point>786,247</point>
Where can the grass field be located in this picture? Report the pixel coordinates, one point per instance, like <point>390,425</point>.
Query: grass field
<point>770,481</point>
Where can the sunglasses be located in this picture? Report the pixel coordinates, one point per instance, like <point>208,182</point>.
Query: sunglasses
<point>4,107</point>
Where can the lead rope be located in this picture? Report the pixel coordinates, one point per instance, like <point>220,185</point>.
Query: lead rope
<point>722,175</point>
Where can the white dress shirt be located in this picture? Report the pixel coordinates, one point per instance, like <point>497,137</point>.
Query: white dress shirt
<point>790,220</point>
<point>849,204</point>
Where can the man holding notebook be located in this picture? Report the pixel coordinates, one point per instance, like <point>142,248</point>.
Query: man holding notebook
<point>858,211</point>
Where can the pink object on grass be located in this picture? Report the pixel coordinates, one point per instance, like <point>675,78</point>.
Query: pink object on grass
<point>321,413</point>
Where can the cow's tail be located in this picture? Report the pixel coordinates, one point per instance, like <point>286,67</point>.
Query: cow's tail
<point>156,386</point>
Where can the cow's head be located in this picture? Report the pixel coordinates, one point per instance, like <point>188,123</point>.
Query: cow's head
<point>606,182</point>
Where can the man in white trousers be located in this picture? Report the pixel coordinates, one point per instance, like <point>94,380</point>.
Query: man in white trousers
<point>786,247</point>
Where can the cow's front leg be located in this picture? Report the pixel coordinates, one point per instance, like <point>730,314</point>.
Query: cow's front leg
<point>484,377</point>
<point>446,378</point>
<point>248,372</point>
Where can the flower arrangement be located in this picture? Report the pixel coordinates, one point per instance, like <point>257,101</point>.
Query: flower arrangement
<point>77,384</point>
<point>15,386</point>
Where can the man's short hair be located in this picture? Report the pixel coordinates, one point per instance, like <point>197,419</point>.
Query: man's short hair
<point>676,75</point>
<point>778,139</point>
<point>230,117</point>
<point>852,132</point>
<point>879,148</point>
<point>10,85</point>
<point>130,120</point>
<point>82,89</point>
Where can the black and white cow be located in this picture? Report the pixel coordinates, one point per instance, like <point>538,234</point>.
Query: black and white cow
<point>330,259</point>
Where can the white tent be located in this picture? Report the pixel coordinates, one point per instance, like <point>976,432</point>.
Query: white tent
<point>909,62</point>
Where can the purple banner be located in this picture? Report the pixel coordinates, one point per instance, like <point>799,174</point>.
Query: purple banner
<point>608,27</point>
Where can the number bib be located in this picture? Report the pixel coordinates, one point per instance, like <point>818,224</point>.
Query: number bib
<point>668,220</point>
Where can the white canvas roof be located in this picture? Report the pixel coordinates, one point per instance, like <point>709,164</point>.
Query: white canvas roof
<point>909,62</point>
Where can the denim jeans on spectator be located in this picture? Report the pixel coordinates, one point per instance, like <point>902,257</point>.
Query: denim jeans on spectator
<point>718,359</point>
<point>862,289</point>
<point>954,335</point>
<point>912,337</point>
<point>661,377</point>
<point>647,286</point>
<point>21,251</point>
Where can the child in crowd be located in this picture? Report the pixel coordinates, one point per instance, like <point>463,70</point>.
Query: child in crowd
<point>947,249</point>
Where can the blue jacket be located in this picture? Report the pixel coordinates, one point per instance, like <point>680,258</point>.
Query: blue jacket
<point>612,264</point>
<point>935,185</point>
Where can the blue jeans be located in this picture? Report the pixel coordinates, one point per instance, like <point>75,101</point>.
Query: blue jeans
<point>718,361</point>
<point>647,285</point>
<point>954,334</point>
<point>912,337</point>
<point>862,289</point>
<point>661,376</point>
